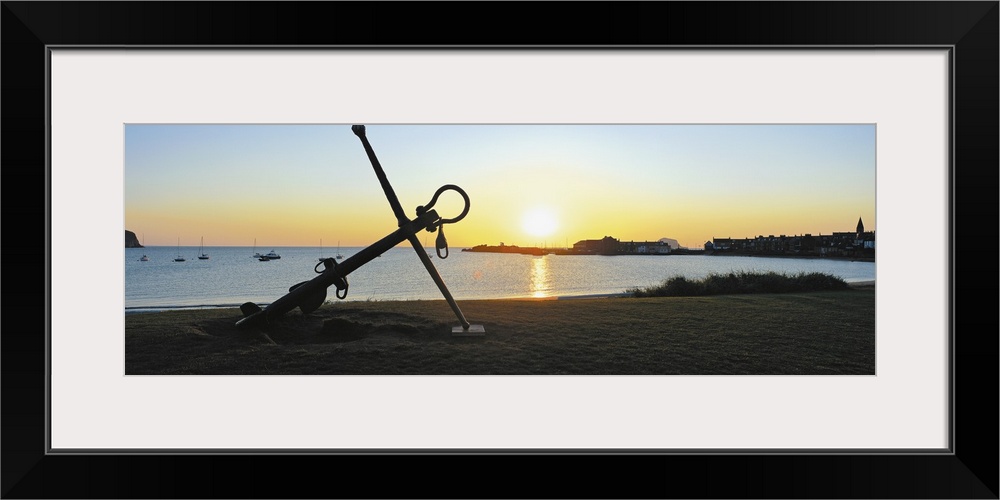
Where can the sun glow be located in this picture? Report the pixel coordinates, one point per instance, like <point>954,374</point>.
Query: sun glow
<point>539,222</point>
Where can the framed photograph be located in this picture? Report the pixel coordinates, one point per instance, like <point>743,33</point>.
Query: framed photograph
<point>896,103</point>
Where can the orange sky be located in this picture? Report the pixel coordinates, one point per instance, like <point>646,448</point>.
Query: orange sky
<point>293,185</point>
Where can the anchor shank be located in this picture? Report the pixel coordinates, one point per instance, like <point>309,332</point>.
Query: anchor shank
<point>408,230</point>
<point>332,274</point>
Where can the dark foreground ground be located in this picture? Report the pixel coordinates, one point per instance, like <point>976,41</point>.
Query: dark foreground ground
<point>822,333</point>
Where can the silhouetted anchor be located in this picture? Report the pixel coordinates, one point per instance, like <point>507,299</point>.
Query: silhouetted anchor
<point>310,295</point>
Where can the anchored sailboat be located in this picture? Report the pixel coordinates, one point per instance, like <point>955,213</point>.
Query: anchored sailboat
<point>256,255</point>
<point>203,255</point>
<point>179,258</point>
<point>144,258</point>
<point>321,257</point>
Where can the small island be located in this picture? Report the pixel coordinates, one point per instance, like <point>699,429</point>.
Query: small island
<point>605,246</point>
<point>502,248</point>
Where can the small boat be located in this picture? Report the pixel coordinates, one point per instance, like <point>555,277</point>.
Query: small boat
<point>272,255</point>
<point>340,256</point>
<point>179,258</point>
<point>203,256</point>
<point>263,258</point>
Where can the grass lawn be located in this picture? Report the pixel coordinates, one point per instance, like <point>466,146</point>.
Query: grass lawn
<point>820,333</point>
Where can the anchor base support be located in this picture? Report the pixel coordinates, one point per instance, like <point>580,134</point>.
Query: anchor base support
<point>472,331</point>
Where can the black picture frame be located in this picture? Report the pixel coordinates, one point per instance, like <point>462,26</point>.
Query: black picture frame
<point>969,28</point>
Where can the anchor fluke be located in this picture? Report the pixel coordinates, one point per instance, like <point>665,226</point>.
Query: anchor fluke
<point>312,302</point>
<point>252,314</point>
<point>250,308</point>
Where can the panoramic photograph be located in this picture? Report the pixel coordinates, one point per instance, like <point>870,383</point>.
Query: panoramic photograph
<point>474,249</point>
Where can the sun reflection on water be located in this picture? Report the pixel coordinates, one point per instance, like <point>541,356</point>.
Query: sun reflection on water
<point>541,285</point>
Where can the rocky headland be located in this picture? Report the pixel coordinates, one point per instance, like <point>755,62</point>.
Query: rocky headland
<point>131,241</point>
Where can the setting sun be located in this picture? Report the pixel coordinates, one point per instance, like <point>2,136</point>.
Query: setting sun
<point>539,222</point>
<point>547,184</point>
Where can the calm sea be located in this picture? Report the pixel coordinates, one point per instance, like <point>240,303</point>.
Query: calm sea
<point>231,276</point>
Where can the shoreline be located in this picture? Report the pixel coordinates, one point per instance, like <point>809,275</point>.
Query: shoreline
<point>153,309</point>
<point>541,251</point>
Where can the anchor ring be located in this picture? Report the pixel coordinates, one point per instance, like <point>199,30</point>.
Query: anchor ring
<point>447,187</point>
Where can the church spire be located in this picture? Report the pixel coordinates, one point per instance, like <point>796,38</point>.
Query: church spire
<point>861,226</point>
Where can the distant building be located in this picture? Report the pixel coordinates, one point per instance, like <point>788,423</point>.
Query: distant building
<point>645,247</point>
<point>612,246</point>
<point>857,243</point>
<point>604,246</point>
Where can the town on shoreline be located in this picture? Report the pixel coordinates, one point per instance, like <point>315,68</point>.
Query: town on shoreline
<point>854,245</point>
